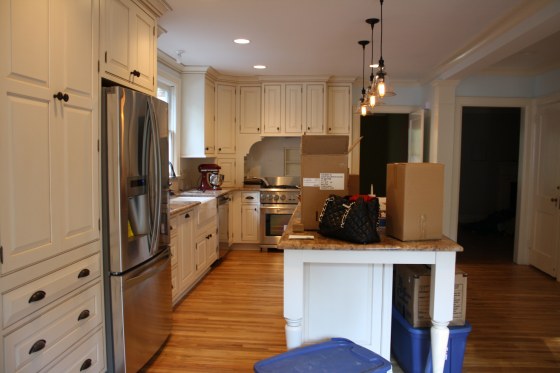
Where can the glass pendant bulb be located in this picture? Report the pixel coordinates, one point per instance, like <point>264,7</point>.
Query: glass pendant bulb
<point>363,110</point>
<point>372,100</point>
<point>381,88</point>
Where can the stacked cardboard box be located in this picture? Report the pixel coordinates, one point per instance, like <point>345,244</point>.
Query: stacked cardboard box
<point>324,171</point>
<point>411,294</point>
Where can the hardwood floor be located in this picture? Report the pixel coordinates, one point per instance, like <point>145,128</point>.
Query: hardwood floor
<point>233,318</point>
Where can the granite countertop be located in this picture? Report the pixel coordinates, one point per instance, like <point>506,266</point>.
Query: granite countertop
<point>320,242</point>
<point>177,207</point>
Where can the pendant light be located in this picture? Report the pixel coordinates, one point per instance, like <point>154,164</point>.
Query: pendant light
<point>371,92</point>
<point>363,99</point>
<point>380,77</point>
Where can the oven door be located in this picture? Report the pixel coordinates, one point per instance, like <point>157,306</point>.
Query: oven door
<point>273,220</point>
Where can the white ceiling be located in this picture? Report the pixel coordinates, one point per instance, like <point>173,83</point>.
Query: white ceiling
<point>422,40</point>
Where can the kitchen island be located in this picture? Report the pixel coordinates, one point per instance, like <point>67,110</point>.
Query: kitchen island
<point>334,288</point>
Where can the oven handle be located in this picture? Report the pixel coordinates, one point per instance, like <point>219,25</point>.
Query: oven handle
<point>278,209</point>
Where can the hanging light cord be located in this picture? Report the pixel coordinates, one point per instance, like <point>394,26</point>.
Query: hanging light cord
<point>381,62</point>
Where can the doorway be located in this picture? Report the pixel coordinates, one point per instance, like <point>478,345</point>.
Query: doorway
<point>490,139</point>
<point>385,140</point>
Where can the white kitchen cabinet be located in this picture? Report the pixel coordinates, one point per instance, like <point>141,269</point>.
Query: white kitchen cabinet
<point>290,109</point>
<point>294,109</point>
<point>272,108</point>
<point>49,159</point>
<point>225,118</point>
<point>315,108</point>
<point>128,44</point>
<point>249,111</point>
<point>198,132</point>
<point>228,169</point>
<point>186,271</point>
<point>250,216</point>
<point>339,118</point>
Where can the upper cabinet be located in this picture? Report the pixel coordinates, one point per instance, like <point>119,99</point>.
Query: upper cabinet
<point>249,112</point>
<point>225,119</point>
<point>293,108</point>
<point>49,161</point>
<point>198,132</point>
<point>128,44</point>
<point>339,109</point>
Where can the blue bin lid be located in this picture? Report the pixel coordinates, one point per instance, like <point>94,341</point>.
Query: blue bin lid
<point>336,355</point>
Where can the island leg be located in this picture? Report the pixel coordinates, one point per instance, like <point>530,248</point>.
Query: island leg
<point>293,297</point>
<point>441,306</point>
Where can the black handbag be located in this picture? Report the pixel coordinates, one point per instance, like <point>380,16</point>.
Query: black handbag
<point>350,219</point>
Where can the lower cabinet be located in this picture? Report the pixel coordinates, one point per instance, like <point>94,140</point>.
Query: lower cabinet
<point>195,247</point>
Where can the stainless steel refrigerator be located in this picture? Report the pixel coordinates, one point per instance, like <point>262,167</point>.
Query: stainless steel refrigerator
<point>135,212</point>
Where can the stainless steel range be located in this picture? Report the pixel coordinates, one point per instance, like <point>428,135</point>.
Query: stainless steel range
<point>278,202</point>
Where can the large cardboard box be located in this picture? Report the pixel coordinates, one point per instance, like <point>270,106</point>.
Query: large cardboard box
<point>411,294</point>
<point>415,201</point>
<point>324,171</point>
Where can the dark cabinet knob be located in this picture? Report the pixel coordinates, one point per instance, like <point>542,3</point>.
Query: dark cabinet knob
<point>37,296</point>
<point>83,273</point>
<point>136,73</point>
<point>61,96</point>
<point>83,315</point>
<point>187,216</point>
<point>86,364</point>
<point>38,346</point>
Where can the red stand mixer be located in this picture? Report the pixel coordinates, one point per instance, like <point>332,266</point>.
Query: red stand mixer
<point>210,177</point>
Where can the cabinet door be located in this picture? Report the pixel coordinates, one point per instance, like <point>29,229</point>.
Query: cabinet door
<point>339,109</point>
<point>272,108</point>
<point>48,147</point>
<point>200,253</point>
<point>250,223</point>
<point>129,44</point>
<point>294,108</point>
<point>116,37</point>
<point>228,170</point>
<point>249,109</point>
<point>211,248</point>
<point>315,108</point>
<point>209,123</point>
<point>225,119</point>
<point>186,266</point>
<point>142,47</point>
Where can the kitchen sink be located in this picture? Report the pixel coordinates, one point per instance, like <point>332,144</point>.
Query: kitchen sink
<point>192,199</point>
<point>207,211</point>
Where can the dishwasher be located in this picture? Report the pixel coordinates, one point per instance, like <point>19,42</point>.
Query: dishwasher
<point>223,225</point>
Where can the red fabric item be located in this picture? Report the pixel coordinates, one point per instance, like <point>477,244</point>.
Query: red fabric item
<point>366,197</point>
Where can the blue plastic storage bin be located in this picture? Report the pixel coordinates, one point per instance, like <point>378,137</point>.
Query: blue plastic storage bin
<point>336,355</point>
<point>411,346</point>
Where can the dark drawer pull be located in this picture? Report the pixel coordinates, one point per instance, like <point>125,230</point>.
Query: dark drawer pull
<point>85,365</point>
<point>38,346</point>
<point>83,315</point>
<point>37,296</point>
<point>83,273</point>
<point>250,197</point>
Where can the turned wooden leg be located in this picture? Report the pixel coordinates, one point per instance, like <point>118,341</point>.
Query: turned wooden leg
<point>440,335</point>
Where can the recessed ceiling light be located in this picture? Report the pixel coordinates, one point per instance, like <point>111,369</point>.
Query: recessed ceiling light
<point>260,67</point>
<point>242,41</point>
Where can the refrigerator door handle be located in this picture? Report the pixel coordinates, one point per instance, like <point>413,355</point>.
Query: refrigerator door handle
<point>155,180</point>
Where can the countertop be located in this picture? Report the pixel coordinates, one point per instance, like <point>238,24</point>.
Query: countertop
<point>176,207</point>
<point>320,242</point>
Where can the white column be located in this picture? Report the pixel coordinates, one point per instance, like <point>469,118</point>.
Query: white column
<point>293,297</point>
<point>441,306</point>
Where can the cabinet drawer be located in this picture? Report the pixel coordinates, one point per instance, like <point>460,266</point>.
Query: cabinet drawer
<point>89,356</point>
<point>173,225</point>
<point>39,342</point>
<point>250,197</point>
<point>31,297</point>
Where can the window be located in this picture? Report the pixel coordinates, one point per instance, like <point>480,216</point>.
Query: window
<point>166,92</point>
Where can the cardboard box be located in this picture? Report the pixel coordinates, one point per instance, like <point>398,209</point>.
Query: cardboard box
<point>324,171</point>
<point>415,201</point>
<point>411,294</point>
